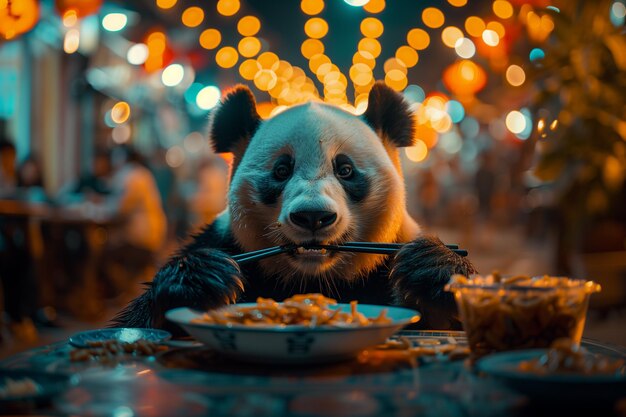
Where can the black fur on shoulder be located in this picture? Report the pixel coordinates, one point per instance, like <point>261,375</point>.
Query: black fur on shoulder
<point>234,120</point>
<point>199,279</point>
<point>419,273</point>
<point>390,115</point>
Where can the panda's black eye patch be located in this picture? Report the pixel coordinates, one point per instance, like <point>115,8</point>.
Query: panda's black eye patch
<point>283,168</point>
<point>344,168</point>
<point>353,180</point>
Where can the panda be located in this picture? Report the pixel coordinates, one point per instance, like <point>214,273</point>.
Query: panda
<point>313,173</point>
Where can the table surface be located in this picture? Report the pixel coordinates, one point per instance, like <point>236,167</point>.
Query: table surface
<point>190,380</point>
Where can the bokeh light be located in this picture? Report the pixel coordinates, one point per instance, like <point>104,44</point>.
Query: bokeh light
<point>357,3</point>
<point>414,93</point>
<point>248,26</point>
<point>536,54</point>
<point>137,54</point>
<point>227,57</point>
<point>457,3</point>
<point>475,26</point>
<point>267,60</point>
<point>515,122</point>
<point>364,57</point>
<point>456,111</point>
<point>265,79</point>
<point>210,38</point>
<point>175,156</point>
<point>450,36</point>
<point>312,7</point>
<point>433,17</point>
<point>370,45</point>
<point>417,152</point>
<point>396,79</point>
<point>375,6</point>
<point>311,47</point>
<point>192,16</point>
<point>71,41</point>
<point>249,46</point>
<point>497,27</point>
<point>418,39</point>
<point>208,97</point>
<point>371,27</point>
<point>228,7</point>
<point>172,75</point>
<point>316,28</point>
<point>249,68</point>
<point>490,37</point>
<point>465,48</point>
<point>120,112</point>
<point>407,55</point>
<point>166,4</point>
<point>515,75</point>
<point>502,8</point>
<point>114,22</point>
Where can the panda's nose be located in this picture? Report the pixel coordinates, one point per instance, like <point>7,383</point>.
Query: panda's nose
<point>313,220</point>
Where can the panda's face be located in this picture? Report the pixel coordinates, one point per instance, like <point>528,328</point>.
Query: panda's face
<point>316,174</point>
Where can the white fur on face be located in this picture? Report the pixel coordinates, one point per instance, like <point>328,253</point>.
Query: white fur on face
<point>313,135</point>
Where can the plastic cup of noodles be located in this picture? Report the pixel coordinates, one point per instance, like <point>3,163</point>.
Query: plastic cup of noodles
<point>519,312</point>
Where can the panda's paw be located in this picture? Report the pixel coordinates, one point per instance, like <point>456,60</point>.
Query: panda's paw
<point>198,279</point>
<point>420,271</point>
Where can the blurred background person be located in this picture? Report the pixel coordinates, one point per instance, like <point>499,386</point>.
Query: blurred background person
<point>135,202</point>
<point>210,196</point>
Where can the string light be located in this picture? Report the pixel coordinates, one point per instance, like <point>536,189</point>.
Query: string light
<point>166,4</point>
<point>208,97</point>
<point>192,16</point>
<point>210,38</point>
<point>248,26</point>
<point>515,75</point>
<point>475,26</point>
<point>316,28</point>
<point>228,7</point>
<point>370,45</point>
<point>465,48</point>
<point>451,35</point>
<point>372,27</point>
<point>375,6</point>
<point>311,47</point>
<point>172,75</point>
<point>433,17</point>
<point>249,46</point>
<point>114,22</point>
<point>312,7</point>
<point>515,122</point>
<point>490,37</point>
<point>418,39</point>
<point>407,55</point>
<point>502,8</point>
<point>226,57</point>
<point>120,112</point>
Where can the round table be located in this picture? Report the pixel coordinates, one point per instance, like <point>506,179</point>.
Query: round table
<point>190,380</point>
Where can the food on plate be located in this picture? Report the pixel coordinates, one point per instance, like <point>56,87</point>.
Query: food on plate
<point>504,313</point>
<point>567,357</point>
<point>311,310</point>
<point>21,387</point>
<point>451,351</point>
<point>107,351</point>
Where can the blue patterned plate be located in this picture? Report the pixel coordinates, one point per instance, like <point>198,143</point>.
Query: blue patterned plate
<point>293,343</point>
<point>121,334</point>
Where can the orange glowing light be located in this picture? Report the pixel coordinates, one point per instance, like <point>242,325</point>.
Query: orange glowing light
<point>372,27</point>
<point>515,75</point>
<point>311,47</point>
<point>433,17</point>
<point>120,112</point>
<point>283,69</point>
<point>457,3</point>
<point>451,35</point>
<point>192,16</point>
<point>210,38</point>
<point>407,55</point>
<point>248,26</point>
<point>502,8</point>
<point>497,27</point>
<point>364,57</point>
<point>70,18</point>
<point>375,6</point>
<point>370,45</point>
<point>394,64</point>
<point>396,79</point>
<point>248,69</point>
<point>312,7</point>
<point>265,79</point>
<point>166,4</point>
<point>317,60</point>
<point>418,39</point>
<point>417,152</point>
<point>316,28</point>
<point>227,57</point>
<point>464,78</point>
<point>474,26</point>
<point>249,46</point>
<point>267,60</point>
<point>228,7</point>
<point>17,17</point>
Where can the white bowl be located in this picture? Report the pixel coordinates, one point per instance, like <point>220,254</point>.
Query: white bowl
<point>293,344</point>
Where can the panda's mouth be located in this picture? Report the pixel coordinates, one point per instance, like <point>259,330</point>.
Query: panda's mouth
<point>310,251</point>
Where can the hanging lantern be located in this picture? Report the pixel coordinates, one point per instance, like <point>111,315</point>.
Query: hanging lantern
<point>17,17</point>
<point>464,78</point>
<point>81,8</point>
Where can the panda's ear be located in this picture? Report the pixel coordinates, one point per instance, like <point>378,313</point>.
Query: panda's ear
<point>389,115</point>
<point>234,121</point>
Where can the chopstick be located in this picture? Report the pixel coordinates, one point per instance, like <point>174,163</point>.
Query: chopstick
<point>262,253</point>
<point>359,247</point>
<point>387,245</point>
<point>371,247</point>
